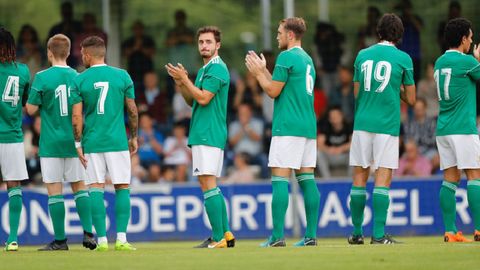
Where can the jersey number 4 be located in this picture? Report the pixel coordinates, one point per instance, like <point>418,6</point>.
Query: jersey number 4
<point>11,90</point>
<point>381,74</point>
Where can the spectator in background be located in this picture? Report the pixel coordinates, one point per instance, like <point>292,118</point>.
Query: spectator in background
<point>32,139</point>
<point>248,92</point>
<point>69,27</point>
<point>412,163</point>
<point>245,136</point>
<point>427,90</point>
<point>182,112</point>
<point>181,43</point>
<point>454,11</point>
<point>139,174</point>
<point>150,142</point>
<point>29,50</point>
<point>421,130</point>
<point>89,28</point>
<point>329,50</point>
<point>343,96</point>
<point>154,101</point>
<point>367,34</point>
<point>176,152</point>
<point>333,143</point>
<point>138,51</point>
<point>412,25</point>
<point>242,172</point>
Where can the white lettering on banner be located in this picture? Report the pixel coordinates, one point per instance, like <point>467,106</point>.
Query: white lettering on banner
<point>266,199</point>
<point>397,207</point>
<point>183,214</point>
<point>416,219</point>
<point>333,211</point>
<point>246,212</point>
<point>157,214</point>
<point>462,206</point>
<point>38,214</point>
<point>143,217</point>
<point>72,216</point>
<point>22,226</point>
<point>289,214</point>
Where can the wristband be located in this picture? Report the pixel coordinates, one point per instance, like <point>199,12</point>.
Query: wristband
<point>78,144</point>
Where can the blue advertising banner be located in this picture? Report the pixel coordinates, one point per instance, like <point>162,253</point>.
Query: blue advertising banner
<point>162,212</point>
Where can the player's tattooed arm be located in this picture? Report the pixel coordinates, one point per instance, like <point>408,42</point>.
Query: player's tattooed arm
<point>77,121</point>
<point>132,112</point>
<point>132,117</point>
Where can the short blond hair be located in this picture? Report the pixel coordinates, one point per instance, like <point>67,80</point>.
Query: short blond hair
<point>295,24</point>
<point>59,45</point>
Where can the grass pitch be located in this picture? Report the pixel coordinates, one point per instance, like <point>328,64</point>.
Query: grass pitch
<point>415,253</point>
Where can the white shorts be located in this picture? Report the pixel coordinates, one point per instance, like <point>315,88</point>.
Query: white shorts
<point>13,166</point>
<point>374,150</point>
<point>116,164</point>
<point>292,152</point>
<point>462,151</point>
<point>57,170</point>
<point>207,160</point>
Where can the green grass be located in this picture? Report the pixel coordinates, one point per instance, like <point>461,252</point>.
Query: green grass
<point>416,253</point>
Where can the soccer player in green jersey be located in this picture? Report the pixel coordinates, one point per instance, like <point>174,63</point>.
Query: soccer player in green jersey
<point>58,158</point>
<point>102,92</point>
<point>14,84</point>
<point>380,72</point>
<point>456,74</point>
<point>294,129</point>
<point>208,129</point>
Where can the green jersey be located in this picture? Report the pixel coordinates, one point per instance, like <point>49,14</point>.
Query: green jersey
<point>51,92</point>
<point>209,123</point>
<point>381,70</point>
<point>456,74</point>
<point>103,90</point>
<point>14,84</point>
<point>293,112</point>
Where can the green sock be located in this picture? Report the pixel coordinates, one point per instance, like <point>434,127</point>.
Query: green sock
<point>358,197</point>
<point>279,205</point>
<point>122,209</point>
<point>473,191</point>
<point>99,213</point>
<point>448,204</point>
<point>311,199</point>
<point>213,206</point>
<point>84,209</point>
<point>381,201</point>
<point>14,211</point>
<point>225,225</point>
<point>56,207</point>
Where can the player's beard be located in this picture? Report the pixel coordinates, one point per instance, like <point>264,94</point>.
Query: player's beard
<point>207,54</point>
<point>282,44</point>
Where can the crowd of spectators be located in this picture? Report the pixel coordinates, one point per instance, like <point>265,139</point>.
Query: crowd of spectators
<point>164,155</point>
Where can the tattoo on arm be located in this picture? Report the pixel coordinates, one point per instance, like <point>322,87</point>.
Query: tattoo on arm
<point>132,117</point>
<point>77,121</point>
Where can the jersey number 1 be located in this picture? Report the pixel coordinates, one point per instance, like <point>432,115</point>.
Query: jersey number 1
<point>103,86</point>
<point>11,86</point>
<point>61,94</point>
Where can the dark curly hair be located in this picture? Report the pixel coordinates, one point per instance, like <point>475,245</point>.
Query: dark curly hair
<point>7,46</point>
<point>455,30</point>
<point>390,28</point>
